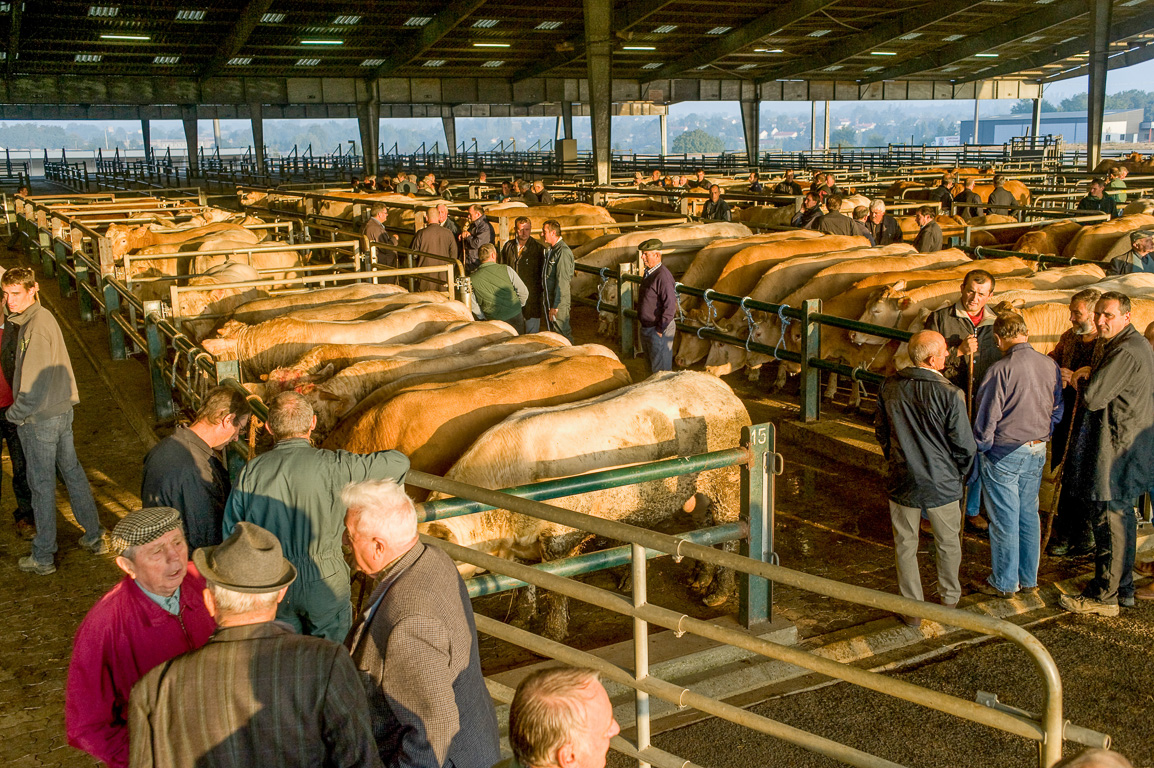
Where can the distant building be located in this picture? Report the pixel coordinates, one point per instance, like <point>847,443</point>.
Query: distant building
<point>946,141</point>
<point>1119,125</point>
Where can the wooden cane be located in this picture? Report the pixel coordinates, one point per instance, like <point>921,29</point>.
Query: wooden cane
<point>1058,474</point>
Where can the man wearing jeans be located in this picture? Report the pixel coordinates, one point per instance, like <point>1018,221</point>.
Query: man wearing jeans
<point>44,392</point>
<point>1018,405</point>
<point>656,308</point>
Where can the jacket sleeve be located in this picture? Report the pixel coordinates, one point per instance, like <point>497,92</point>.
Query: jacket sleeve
<point>724,211</point>
<point>668,303</point>
<point>1059,401</point>
<point>989,404</point>
<point>90,702</point>
<point>560,298</point>
<point>345,725</point>
<point>519,286</point>
<point>424,704</point>
<point>897,231</point>
<point>139,723</point>
<point>960,434</point>
<point>1109,381</point>
<point>882,424</point>
<point>234,506</point>
<point>382,465</point>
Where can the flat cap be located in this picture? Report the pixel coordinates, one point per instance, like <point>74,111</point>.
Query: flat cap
<point>652,244</point>
<point>1141,234</point>
<point>143,526</point>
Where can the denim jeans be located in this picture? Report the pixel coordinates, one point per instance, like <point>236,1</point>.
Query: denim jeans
<point>1010,492</point>
<point>48,448</point>
<point>658,345</point>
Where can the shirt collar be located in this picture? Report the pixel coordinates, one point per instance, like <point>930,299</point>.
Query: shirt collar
<point>170,604</point>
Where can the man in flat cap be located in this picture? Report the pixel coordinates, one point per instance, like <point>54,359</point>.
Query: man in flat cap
<point>156,612</point>
<point>1139,258</point>
<point>257,693</point>
<point>657,308</point>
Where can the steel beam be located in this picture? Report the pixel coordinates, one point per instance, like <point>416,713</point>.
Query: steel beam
<point>1036,20</point>
<point>567,118</point>
<point>1128,58</point>
<point>146,137</point>
<point>237,37</point>
<point>256,118</point>
<point>781,16</point>
<point>599,54</point>
<point>869,39</point>
<point>442,24</point>
<point>812,125</point>
<point>449,125</point>
<point>189,118</point>
<point>369,123</point>
<point>663,128</point>
<point>1096,102</point>
<point>14,36</point>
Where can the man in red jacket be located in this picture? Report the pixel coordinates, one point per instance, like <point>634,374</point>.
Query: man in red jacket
<point>155,613</point>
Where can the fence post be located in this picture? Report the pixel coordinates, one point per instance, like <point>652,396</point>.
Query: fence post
<point>60,250</point>
<point>755,604</point>
<point>162,406</point>
<point>810,348</point>
<point>624,302</point>
<point>115,332</point>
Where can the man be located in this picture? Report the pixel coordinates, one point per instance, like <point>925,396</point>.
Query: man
<point>478,232</point>
<point>942,194</point>
<point>293,491</point>
<point>561,717</point>
<point>255,694</point>
<point>699,182</point>
<point>1001,199</point>
<point>417,645</point>
<point>1138,258</point>
<point>539,195</point>
<point>556,275</point>
<point>928,446</point>
<point>1118,463</point>
<point>1016,409</point>
<point>715,209</point>
<point>1098,200</point>
<point>787,186</point>
<point>966,203</point>
<point>44,394</point>
<point>968,327</point>
<point>1116,185</point>
<point>929,239</point>
<point>806,218</point>
<point>185,470</point>
<point>520,188</point>
<point>428,185</point>
<point>882,226</point>
<point>831,187</point>
<point>155,613</point>
<point>498,292</point>
<point>657,308</point>
<point>1071,534</point>
<point>835,222</point>
<point>506,192</point>
<point>1095,758</point>
<point>374,232</point>
<point>755,185</point>
<point>23,517</point>
<point>655,179</point>
<point>525,254</point>
<point>860,215</point>
<point>435,238</point>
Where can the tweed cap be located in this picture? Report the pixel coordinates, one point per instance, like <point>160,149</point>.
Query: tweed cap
<point>143,526</point>
<point>1141,234</point>
<point>652,244</point>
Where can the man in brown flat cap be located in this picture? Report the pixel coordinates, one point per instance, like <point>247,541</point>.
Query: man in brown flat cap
<point>657,308</point>
<point>256,694</point>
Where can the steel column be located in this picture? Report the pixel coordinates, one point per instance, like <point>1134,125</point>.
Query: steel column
<point>977,109</point>
<point>755,603</point>
<point>598,56</point>
<point>369,123</point>
<point>188,117</point>
<point>216,132</point>
<point>1036,122</point>
<point>625,293</point>
<point>567,118</point>
<point>813,125</point>
<point>751,126</point>
<point>162,405</point>
<point>256,117</point>
<point>825,133</point>
<point>663,126</point>
<point>1096,103</point>
<point>810,348</point>
<point>449,124</point>
<point>146,137</point>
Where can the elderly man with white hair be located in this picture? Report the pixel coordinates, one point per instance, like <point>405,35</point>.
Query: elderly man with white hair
<point>882,226</point>
<point>416,645</point>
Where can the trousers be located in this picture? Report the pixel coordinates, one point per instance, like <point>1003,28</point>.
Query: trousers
<point>658,346</point>
<point>946,521</point>
<point>1115,541</point>
<point>322,608</point>
<point>9,435</point>
<point>1010,492</point>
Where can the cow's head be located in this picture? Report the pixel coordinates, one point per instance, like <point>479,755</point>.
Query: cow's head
<point>884,307</point>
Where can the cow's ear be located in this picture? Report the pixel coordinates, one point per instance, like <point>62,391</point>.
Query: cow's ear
<point>900,285</point>
<point>904,302</point>
<point>324,394</point>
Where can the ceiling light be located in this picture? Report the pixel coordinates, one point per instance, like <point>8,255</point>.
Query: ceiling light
<point>819,33</point>
<point>718,30</point>
<point>832,68</point>
<point>434,63</point>
<point>883,53</point>
<point>910,36</point>
<point>490,45</point>
<point>166,60</point>
<point>417,21</point>
<point>240,61</point>
<point>748,66</point>
<point>548,25</point>
<point>106,11</point>
<point>486,23</point>
<point>665,29</point>
<point>703,66</point>
<point>272,18</point>
<point>1034,39</point>
<point>322,42</point>
<point>950,69</point>
<point>492,64</point>
<point>873,69</point>
<point>768,50</point>
<point>140,38</point>
<point>653,65</point>
<point>986,55</point>
<point>638,48</point>
<point>307,62</point>
<point>952,38</point>
<point>1129,3</point>
<point>188,14</point>
<point>372,62</point>
<point>88,58</point>
<point>347,21</point>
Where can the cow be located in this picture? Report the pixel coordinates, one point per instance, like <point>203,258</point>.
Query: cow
<point>626,209</point>
<point>266,309</point>
<point>594,220</point>
<point>366,309</point>
<point>1095,241</point>
<point>1048,321</point>
<point>1050,240</point>
<point>124,239</point>
<point>433,424</point>
<point>279,341</point>
<point>670,414</point>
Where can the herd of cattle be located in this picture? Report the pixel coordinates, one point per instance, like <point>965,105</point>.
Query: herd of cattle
<point>388,369</point>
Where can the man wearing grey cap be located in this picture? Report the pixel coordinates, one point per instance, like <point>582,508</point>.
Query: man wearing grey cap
<point>256,693</point>
<point>1138,258</point>
<point>155,613</point>
<point>657,308</point>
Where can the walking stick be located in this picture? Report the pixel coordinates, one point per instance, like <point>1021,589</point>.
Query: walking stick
<point>1058,474</point>
<point>970,416</point>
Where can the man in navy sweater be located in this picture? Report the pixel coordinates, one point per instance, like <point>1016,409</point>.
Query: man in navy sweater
<point>656,308</point>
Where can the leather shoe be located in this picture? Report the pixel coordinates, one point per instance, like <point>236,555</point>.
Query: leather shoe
<point>910,621</point>
<point>1145,567</point>
<point>977,524</point>
<point>986,588</point>
<point>1145,593</point>
<point>1087,605</point>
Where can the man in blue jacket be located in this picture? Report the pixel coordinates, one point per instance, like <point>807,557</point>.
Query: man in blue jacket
<point>929,448</point>
<point>656,308</point>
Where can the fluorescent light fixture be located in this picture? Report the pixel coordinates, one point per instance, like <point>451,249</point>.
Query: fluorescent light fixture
<point>768,50</point>
<point>703,66</point>
<point>434,63</point>
<point>372,62</point>
<point>486,23</point>
<point>492,64</point>
<point>417,21</point>
<point>88,58</point>
<point>166,60</point>
<point>138,38</point>
<point>952,38</point>
<point>307,62</point>
<point>639,48</point>
<point>819,33</point>
<point>748,66</point>
<point>548,25</point>
<point>105,11</point>
<point>1129,3</point>
<point>653,65</point>
<point>718,30</point>
<point>883,53</point>
<point>665,29</point>
<point>873,69</point>
<point>322,42</point>
<point>1034,39</point>
<point>347,21</point>
<point>910,36</point>
<point>832,68</point>
<point>240,61</point>
<point>985,55</point>
<point>949,69</point>
<point>190,14</point>
<point>272,18</point>
<point>490,45</point>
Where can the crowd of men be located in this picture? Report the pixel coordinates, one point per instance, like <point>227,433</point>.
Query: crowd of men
<point>971,418</point>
